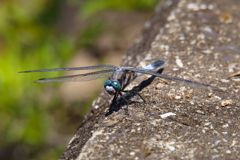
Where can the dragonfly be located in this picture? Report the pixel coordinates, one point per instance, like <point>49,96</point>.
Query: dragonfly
<point>119,77</point>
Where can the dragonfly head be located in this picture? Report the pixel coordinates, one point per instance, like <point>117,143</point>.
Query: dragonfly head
<point>112,86</point>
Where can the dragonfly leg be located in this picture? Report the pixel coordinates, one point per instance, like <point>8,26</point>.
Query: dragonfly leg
<point>126,110</point>
<point>141,97</point>
<point>114,100</point>
<point>137,94</point>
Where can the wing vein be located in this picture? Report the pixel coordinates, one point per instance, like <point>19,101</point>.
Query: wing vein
<point>73,69</point>
<point>78,77</point>
<point>175,79</point>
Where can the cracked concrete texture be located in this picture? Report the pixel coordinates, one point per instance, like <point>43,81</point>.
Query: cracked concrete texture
<point>200,41</point>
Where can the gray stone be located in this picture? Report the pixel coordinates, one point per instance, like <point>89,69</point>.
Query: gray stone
<point>201,39</point>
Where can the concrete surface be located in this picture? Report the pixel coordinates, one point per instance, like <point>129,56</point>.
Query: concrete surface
<point>200,41</point>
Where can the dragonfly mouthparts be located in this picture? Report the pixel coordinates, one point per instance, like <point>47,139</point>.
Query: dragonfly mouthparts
<point>110,90</point>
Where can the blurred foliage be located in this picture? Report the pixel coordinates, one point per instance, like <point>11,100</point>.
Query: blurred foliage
<point>88,36</point>
<point>92,7</point>
<point>30,39</point>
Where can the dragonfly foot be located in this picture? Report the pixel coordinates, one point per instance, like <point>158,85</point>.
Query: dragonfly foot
<point>141,97</point>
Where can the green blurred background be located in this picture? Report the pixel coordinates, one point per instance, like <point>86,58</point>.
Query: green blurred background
<point>38,120</point>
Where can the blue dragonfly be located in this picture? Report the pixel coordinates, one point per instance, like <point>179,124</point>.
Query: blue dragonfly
<point>119,77</point>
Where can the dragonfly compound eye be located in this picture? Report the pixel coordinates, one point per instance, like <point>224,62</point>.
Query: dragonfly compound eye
<point>109,88</point>
<point>116,85</point>
<point>107,82</point>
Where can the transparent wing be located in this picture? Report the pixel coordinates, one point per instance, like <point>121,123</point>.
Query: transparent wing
<point>77,78</point>
<point>73,69</point>
<point>175,79</point>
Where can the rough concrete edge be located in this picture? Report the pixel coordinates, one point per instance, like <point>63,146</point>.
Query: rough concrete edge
<point>142,45</point>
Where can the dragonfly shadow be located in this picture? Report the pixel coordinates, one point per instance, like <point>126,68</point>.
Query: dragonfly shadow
<point>117,104</point>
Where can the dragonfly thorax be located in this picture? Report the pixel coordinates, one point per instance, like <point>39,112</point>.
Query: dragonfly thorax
<point>112,87</point>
